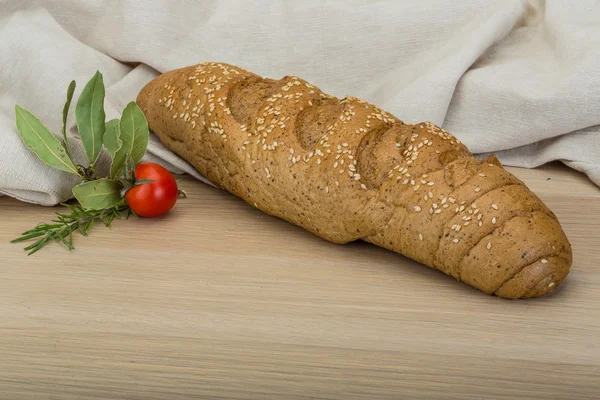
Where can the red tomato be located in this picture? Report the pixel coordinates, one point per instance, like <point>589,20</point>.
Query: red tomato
<point>155,198</point>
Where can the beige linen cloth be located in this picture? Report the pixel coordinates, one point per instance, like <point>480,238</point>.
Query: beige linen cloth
<point>514,77</point>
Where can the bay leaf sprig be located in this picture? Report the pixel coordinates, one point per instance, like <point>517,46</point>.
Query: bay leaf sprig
<point>99,197</point>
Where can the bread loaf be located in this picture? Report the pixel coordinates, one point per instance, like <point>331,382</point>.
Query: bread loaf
<point>346,170</point>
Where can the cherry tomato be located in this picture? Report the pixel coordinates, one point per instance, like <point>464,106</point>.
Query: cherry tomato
<point>155,198</point>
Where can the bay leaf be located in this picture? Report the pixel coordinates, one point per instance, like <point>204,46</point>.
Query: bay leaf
<point>98,194</point>
<point>134,132</point>
<point>42,142</point>
<point>113,143</point>
<point>89,114</point>
<point>70,91</point>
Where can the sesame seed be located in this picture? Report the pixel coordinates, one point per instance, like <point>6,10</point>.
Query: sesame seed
<point>551,284</point>
<point>489,245</point>
<point>461,208</point>
<point>417,208</point>
<point>326,189</point>
<point>481,174</point>
<point>439,210</point>
<point>430,194</point>
<point>420,237</point>
<point>495,207</point>
<point>473,205</point>
<point>455,240</point>
<point>477,189</point>
<point>444,200</point>
<point>494,220</point>
<point>416,188</point>
<point>544,261</point>
<point>363,186</point>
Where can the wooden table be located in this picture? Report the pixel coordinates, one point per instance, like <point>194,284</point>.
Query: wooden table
<point>219,301</point>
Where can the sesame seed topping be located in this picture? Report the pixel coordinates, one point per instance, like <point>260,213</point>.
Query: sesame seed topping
<point>495,207</point>
<point>494,220</point>
<point>363,186</point>
<point>455,240</point>
<point>420,237</point>
<point>551,284</point>
<point>544,261</point>
<point>477,189</point>
<point>417,208</point>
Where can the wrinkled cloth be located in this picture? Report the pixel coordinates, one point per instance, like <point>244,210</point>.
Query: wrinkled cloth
<point>517,78</point>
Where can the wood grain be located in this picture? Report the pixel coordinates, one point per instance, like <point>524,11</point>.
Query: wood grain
<point>219,301</point>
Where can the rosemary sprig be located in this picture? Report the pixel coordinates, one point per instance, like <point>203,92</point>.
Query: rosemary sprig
<point>63,226</point>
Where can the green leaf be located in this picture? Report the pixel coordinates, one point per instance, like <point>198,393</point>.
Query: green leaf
<point>134,132</point>
<point>113,143</point>
<point>98,194</point>
<point>42,142</point>
<point>90,115</point>
<point>70,92</point>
